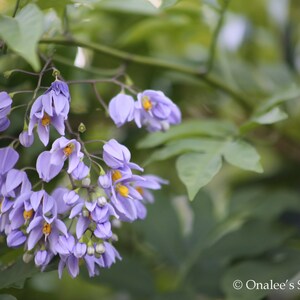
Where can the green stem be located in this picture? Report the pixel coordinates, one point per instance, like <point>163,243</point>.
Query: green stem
<point>154,62</point>
<point>213,44</point>
<point>16,8</point>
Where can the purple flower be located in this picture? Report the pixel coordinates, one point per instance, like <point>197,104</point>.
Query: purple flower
<point>58,194</point>
<point>96,214</point>
<point>117,156</point>
<point>150,182</point>
<point>39,228</point>
<point>8,159</point>
<point>42,258</point>
<point>44,204</point>
<point>124,197</point>
<point>46,169</point>
<point>121,109</point>
<point>50,163</point>
<point>156,111</point>
<point>80,172</point>
<point>50,108</point>
<point>22,211</point>
<point>25,139</point>
<point>65,247</point>
<point>63,149</point>
<point>5,107</point>
<point>16,183</point>
<point>15,238</point>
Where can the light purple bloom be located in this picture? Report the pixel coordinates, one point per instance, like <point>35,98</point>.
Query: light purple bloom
<point>42,258</point>
<point>50,108</point>
<point>150,182</point>
<point>44,204</point>
<point>118,156</point>
<point>46,169</point>
<point>8,159</point>
<point>121,109</point>
<point>80,172</point>
<point>25,139</point>
<point>50,163</point>
<point>156,111</point>
<point>5,107</point>
<point>38,229</point>
<point>65,247</point>
<point>15,238</point>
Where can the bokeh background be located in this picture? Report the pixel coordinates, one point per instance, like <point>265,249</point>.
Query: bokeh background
<point>241,225</point>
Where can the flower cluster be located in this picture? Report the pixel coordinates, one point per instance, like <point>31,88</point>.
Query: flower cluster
<point>76,222</point>
<point>152,109</point>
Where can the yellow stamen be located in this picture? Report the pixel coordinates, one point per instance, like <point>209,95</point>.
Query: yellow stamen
<point>147,104</point>
<point>68,150</point>
<point>46,228</point>
<point>116,175</point>
<point>123,190</point>
<point>46,120</point>
<point>140,190</point>
<point>27,214</point>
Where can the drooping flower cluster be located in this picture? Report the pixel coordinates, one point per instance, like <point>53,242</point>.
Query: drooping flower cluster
<point>75,223</point>
<point>152,109</point>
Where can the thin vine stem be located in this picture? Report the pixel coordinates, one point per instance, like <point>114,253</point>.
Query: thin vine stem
<point>154,62</point>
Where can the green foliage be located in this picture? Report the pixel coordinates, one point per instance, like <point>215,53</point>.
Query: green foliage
<point>23,32</point>
<point>244,112</point>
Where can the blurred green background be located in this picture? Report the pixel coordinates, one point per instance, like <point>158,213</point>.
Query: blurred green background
<point>228,64</point>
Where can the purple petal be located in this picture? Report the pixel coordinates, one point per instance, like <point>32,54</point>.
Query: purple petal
<point>81,226</point>
<point>8,158</point>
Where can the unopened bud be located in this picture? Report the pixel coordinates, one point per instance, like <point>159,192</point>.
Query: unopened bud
<point>55,73</point>
<point>116,223</point>
<point>27,257</point>
<point>100,248</point>
<point>85,213</point>
<point>101,201</point>
<point>90,250</point>
<point>81,128</point>
<point>114,237</point>
<point>86,181</point>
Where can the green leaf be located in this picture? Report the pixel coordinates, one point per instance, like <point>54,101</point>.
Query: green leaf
<point>58,5</point>
<point>7,297</point>
<point>261,233</point>
<point>16,274</point>
<point>242,155</point>
<point>213,128</point>
<point>291,93</point>
<point>185,145</point>
<point>196,170</point>
<point>22,33</point>
<point>141,7</point>
<point>272,116</point>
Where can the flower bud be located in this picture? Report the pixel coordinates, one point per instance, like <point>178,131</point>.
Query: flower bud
<point>90,250</point>
<point>104,181</point>
<point>100,248</point>
<point>86,181</point>
<point>80,250</point>
<point>81,128</point>
<point>25,139</point>
<point>27,257</point>
<point>85,213</point>
<point>101,201</point>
